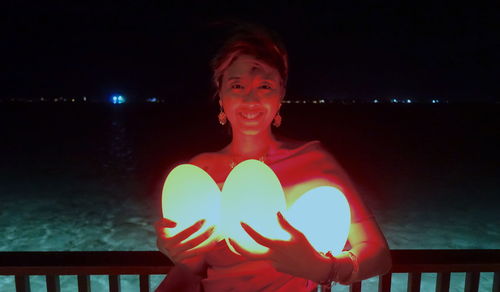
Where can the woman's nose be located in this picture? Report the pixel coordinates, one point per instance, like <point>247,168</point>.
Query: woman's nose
<point>251,96</point>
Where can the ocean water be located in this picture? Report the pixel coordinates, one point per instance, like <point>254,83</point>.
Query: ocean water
<point>87,177</point>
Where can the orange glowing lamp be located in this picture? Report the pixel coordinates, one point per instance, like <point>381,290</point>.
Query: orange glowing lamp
<point>253,194</point>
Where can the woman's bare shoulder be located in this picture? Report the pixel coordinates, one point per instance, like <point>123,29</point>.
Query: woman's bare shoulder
<point>207,159</point>
<point>293,144</point>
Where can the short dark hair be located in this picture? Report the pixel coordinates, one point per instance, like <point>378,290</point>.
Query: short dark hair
<point>253,40</point>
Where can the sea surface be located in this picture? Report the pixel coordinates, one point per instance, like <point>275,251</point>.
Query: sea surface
<point>87,177</point>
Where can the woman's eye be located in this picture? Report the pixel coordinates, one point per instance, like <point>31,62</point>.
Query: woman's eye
<point>237,86</point>
<point>266,86</point>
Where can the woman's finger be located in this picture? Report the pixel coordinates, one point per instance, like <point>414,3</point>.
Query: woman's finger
<point>257,236</point>
<point>195,252</point>
<point>179,237</point>
<point>196,241</point>
<point>288,227</point>
<point>164,223</point>
<point>247,254</point>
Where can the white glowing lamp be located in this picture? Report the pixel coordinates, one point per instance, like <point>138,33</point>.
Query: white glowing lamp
<point>190,194</point>
<point>252,194</point>
<point>323,216</point>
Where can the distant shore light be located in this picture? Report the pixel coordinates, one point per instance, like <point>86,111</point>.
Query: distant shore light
<point>117,99</point>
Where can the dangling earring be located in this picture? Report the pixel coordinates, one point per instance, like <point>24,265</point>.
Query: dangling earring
<point>222,117</point>
<point>277,120</point>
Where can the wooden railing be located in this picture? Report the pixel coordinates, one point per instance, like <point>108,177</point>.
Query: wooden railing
<point>146,263</point>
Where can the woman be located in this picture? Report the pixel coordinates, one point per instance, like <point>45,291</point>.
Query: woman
<point>250,74</point>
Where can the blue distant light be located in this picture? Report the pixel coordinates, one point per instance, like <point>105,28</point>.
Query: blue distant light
<point>408,101</point>
<point>117,99</point>
<point>152,99</point>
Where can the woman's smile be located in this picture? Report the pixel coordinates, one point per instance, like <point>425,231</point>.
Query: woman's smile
<point>251,115</point>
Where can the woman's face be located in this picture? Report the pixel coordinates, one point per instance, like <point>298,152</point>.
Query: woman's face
<point>251,93</point>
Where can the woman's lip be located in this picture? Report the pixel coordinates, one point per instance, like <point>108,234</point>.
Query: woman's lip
<point>251,115</point>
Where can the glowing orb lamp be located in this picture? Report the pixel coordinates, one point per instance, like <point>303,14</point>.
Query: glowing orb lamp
<point>252,194</point>
<point>190,194</point>
<point>323,216</point>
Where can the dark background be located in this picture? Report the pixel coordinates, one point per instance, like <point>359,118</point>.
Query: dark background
<point>429,172</point>
<point>142,49</point>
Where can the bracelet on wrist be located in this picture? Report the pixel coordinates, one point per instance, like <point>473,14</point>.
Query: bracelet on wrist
<point>333,276</point>
<point>329,282</point>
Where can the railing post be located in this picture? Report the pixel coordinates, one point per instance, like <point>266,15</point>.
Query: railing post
<point>414,280</point>
<point>83,283</point>
<point>471,281</point>
<point>443,282</point>
<point>23,283</point>
<point>114,283</point>
<point>144,283</point>
<point>384,283</point>
<point>355,287</point>
<point>496,282</point>
<point>53,284</point>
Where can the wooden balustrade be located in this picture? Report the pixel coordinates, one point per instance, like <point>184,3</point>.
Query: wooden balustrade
<point>146,263</point>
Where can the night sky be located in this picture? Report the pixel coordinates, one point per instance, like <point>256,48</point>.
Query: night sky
<point>155,48</point>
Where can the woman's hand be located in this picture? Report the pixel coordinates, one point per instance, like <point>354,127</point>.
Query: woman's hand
<point>172,246</point>
<point>296,256</point>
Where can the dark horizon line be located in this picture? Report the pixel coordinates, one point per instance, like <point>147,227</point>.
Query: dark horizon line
<point>346,100</point>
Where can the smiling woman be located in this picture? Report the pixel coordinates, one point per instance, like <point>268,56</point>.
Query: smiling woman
<point>250,74</point>
<point>250,96</point>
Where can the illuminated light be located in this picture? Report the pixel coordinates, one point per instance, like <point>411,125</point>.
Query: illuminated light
<point>375,101</point>
<point>314,101</point>
<point>152,99</point>
<point>254,201</point>
<point>189,195</point>
<point>117,99</point>
<point>408,101</point>
<point>72,100</point>
<point>84,98</point>
<point>324,217</point>
<point>394,100</point>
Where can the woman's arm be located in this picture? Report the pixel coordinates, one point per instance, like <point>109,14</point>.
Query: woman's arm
<point>370,255</point>
<point>370,250</point>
